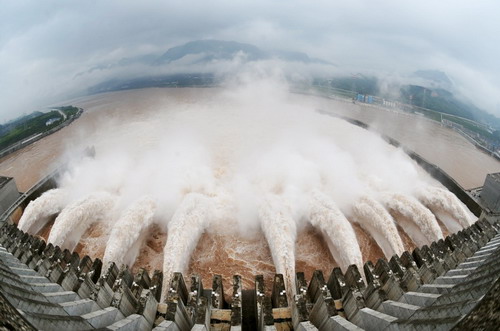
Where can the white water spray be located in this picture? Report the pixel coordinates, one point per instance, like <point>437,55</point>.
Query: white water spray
<point>373,217</point>
<point>443,202</point>
<point>75,219</point>
<point>184,230</point>
<point>337,231</point>
<point>250,139</point>
<point>129,231</point>
<point>417,221</point>
<point>40,210</point>
<point>280,231</point>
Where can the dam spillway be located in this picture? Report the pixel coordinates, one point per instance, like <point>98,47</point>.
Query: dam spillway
<point>183,302</point>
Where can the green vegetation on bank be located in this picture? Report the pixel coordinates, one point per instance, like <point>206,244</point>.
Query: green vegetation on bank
<point>33,124</point>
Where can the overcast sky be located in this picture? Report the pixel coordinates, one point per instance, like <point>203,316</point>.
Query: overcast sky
<point>44,45</point>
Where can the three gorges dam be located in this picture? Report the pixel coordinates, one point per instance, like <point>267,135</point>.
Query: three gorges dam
<point>296,209</point>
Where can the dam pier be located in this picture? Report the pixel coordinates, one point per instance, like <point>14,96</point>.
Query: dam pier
<point>431,288</point>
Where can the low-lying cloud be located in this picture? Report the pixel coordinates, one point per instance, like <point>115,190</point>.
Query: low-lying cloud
<point>43,47</point>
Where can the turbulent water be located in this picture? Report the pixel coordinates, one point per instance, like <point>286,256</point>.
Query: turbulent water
<point>447,207</point>
<point>38,213</point>
<point>419,222</point>
<point>280,231</point>
<point>76,218</point>
<point>336,230</point>
<point>243,180</point>
<point>129,231</point>
<point>184,231</point>
<point>377,221</point>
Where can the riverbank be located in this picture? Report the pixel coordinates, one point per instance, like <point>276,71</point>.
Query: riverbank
<point>35,137</point>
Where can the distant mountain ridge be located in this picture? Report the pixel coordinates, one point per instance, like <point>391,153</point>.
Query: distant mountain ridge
<point>212,49</point>
<point>199,52</point>
<point>435,78</point>
<point>226,50</point>
<point>423,88</point>
<point>205,52</point>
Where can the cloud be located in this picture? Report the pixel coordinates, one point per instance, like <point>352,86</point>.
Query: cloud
<point>43,46</point>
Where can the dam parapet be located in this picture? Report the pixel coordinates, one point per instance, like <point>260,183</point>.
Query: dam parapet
<point>432,287</point>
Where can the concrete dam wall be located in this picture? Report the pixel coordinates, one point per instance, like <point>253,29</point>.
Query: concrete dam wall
<point>433,287</point>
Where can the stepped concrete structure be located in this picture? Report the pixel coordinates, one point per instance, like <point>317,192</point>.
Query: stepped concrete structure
<point>450,283</point>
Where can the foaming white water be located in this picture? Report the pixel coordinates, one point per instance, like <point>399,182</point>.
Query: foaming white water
<point>127,233</point>
<point>247,142</point>
<point>336,229</point>
<point>75,219</point>
<point>373,217</point>
<point>280,231</point>
<point>417,221</point>
<point>184,230</point>
<point>40,210</point>
<point>443,202</point>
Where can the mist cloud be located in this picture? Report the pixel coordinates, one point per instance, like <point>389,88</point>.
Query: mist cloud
<point>248,159</point>
<point>44,46</point>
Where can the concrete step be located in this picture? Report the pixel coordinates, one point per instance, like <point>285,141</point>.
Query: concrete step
<point>450,280</point>
<point>435,288</point>
<point>23,291</point>
<point>5,269</point>
<point>103,317</point>
<point>485,251</point>
<point>455,309</point>
<point>40,307</point>
<point>60,297</point>
<point>476,258</point>
<point>79,307</point>
<point>472,293</point>
<point>46,287</point>
<point>459,272</point>
<point>491,244</point>
<point>484,279</point>
<point>374,320</point>
<point>469,265</point>
<point>424,324</point>
<point>51,322</point>
<point>3,250</point>
<point>495,239</point>
<point>33,305</point>
<point>131,323</point>
<point>6,255</point>
<point>13,280</point>
<point>419,299</point>
<point>14,263</point>
<point>29,279</point>
<point>399,310</point>
<point>24,270</point>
